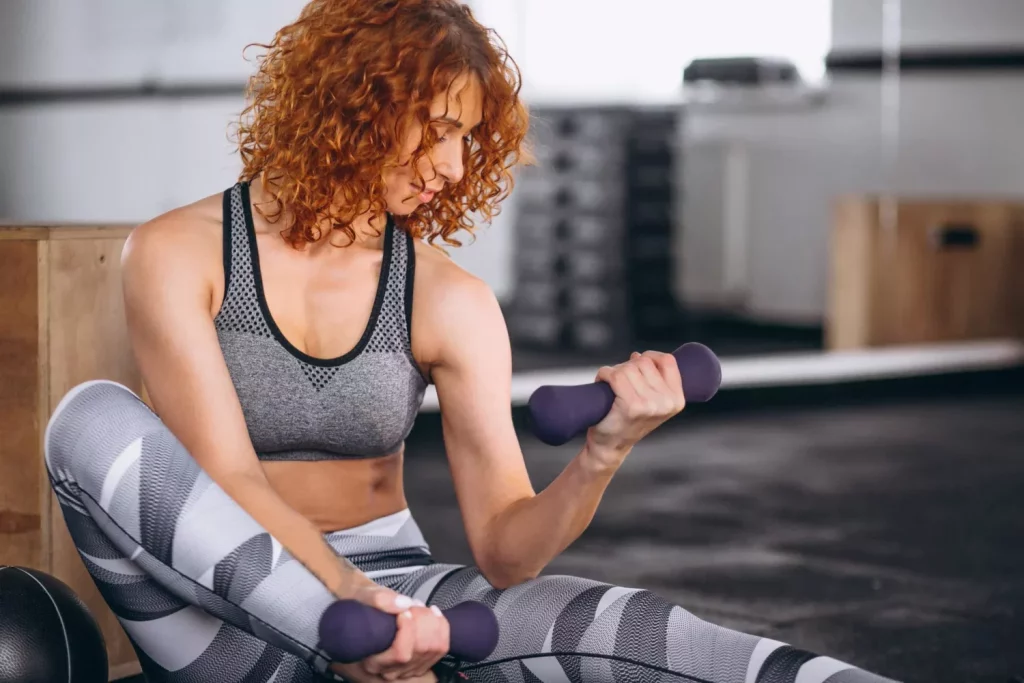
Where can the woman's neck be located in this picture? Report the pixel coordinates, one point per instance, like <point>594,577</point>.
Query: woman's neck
<point>368,227</point>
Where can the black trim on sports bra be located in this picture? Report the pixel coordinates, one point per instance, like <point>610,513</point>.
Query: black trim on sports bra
<point>371,325</point>
<point>410,281</point>
<point>226,230</point>
<point>410,277</point>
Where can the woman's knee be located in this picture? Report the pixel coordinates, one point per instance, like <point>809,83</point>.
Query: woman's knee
<point>92,432</point>
<point>110,456</point>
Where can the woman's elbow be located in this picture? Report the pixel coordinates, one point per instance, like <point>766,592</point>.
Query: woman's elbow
<point>505,580</point>
<point>504,574</point>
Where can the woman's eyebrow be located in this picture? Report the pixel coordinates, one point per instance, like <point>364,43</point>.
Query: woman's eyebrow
<point>450,121</point>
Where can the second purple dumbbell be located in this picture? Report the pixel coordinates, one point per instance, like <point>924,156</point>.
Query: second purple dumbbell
<point>558,414</point>
<point>351,631</point>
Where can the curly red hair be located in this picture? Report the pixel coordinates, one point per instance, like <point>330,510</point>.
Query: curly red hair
<point>335,92</point>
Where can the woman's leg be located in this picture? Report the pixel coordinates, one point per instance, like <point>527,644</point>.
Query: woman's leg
<point>561,629</point>
<point>206,594</point>
<point>202,590</point>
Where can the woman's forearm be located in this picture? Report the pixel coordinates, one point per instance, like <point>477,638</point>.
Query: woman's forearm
<point>297,535</point>
<point>533,531</point>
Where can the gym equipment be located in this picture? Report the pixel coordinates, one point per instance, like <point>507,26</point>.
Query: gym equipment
<point>47,634</point>
<point>351,631</point>
<point>561,413</point>
<point>741,71</point>
<point>884,279</point>
<point>593,253</point>
<point>56,312</point>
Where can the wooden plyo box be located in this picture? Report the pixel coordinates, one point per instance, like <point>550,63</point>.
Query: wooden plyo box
<point>941,271</point>
<point>62,323</point>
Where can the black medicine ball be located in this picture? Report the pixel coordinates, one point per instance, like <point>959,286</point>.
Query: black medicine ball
<point>47,634</point>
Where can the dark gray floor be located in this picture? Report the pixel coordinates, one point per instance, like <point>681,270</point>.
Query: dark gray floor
<point>890,536</point>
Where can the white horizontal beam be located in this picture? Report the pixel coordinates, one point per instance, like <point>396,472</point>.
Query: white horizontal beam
<point>794,369</point>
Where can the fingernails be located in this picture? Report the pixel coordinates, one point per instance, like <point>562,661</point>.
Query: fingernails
<point>419,603</point>
<point>403,602</point>
<point>406,615</point>
<point>436,610</point>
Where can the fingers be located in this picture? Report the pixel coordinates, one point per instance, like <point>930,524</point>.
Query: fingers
<point>622,385</point>
<point>432,642</point>
<point>393,660</point>
<point>650,371</point>
<point>668,370</point>
<point>649,385</point>
<point>385,599</point>
<point>421,641</point>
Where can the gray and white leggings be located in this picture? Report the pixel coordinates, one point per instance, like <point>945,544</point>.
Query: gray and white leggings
<point>205,594</point>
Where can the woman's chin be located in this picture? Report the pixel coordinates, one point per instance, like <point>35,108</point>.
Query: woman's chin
<point>405,207</point>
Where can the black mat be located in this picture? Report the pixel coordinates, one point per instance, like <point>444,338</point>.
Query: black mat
<point>888,536</point>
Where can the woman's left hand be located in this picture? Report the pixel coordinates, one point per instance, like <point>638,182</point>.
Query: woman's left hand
<point>648,391</point>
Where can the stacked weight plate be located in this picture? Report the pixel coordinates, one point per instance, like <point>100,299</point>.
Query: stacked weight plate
<point>593,256</point>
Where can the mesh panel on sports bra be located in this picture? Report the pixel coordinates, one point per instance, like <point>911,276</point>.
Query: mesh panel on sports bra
<point>240,311</point>
<point>391,334</point>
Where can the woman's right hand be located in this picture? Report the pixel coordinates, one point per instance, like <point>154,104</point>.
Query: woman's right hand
<point>421,641</point>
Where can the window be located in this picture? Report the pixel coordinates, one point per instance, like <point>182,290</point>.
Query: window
<point>638,48</point>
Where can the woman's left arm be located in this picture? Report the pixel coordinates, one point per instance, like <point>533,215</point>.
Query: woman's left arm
<point>513,531</point>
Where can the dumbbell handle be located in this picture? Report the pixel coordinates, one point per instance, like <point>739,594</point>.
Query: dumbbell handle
<point>560,413</point>
<point>351,631</point>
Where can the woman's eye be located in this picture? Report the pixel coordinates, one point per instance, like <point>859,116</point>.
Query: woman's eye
<point>444,137</point>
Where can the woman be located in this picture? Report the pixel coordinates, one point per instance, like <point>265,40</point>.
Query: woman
<point>286,331</point>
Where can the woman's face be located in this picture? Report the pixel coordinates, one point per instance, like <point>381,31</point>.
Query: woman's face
<point>454,114</point>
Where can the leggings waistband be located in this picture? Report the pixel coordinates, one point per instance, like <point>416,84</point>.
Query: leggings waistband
<point>385,546</point>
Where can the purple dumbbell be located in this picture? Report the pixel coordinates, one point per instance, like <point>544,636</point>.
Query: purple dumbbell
<point>560,413</point>
<point>351,631</point>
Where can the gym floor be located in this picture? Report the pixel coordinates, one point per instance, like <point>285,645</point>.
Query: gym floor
<point>883,529</point>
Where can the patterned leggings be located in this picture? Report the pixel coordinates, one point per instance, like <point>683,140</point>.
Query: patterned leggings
<point>205,594</point>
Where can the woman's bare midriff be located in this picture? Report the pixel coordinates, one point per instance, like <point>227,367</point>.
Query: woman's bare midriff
<point>340,494</point>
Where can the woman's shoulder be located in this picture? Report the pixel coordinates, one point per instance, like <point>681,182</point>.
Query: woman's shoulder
<point>439,277</point>
<point>189,225</point>
<point>448,303</point>
<point>187,240</point>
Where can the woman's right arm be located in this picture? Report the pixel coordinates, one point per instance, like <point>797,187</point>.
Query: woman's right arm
<point>166,270</point>
<point>168,302</point>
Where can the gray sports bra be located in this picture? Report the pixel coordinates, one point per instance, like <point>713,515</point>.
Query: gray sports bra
<point>297,407</point>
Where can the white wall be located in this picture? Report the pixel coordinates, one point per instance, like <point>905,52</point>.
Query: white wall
<point>112,162</point>
<point>857,24</point>
<point>571,53</point>
<point>89,42</point>
<point>958,134</point>
<point>957,137</point>
<point>122,159</point>
<point>584,50</point>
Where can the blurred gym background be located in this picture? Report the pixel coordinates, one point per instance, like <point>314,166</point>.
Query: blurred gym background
<point>828,193</point>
